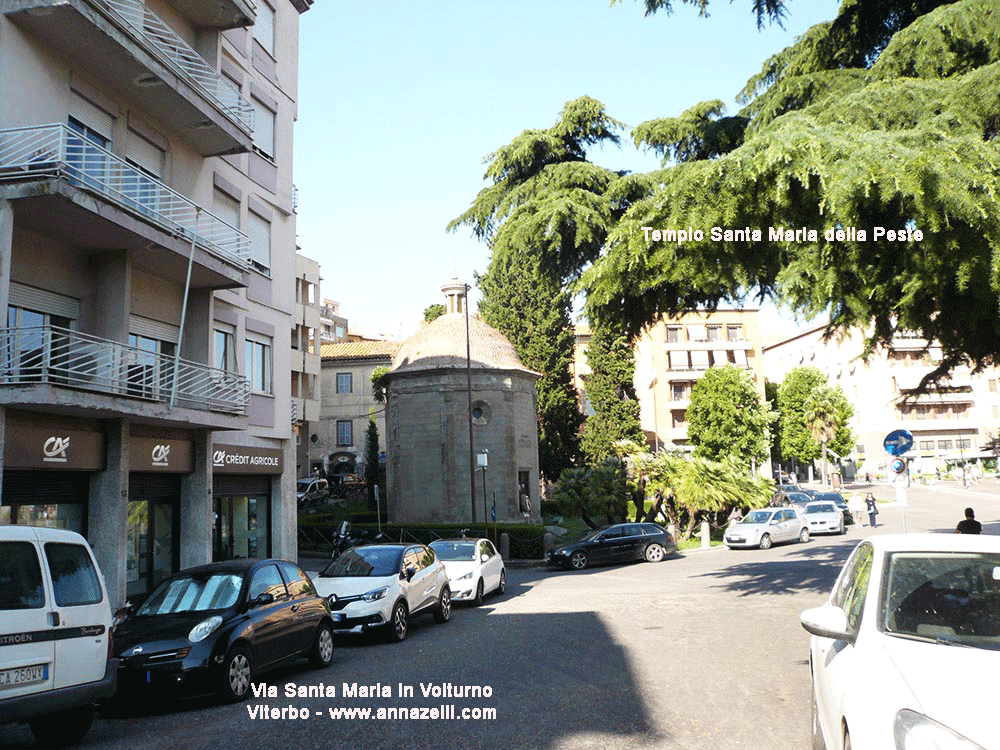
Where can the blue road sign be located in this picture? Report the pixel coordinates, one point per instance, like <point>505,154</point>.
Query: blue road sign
<point>897,442</point>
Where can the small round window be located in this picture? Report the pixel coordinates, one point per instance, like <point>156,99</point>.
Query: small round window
<point>481,413</point>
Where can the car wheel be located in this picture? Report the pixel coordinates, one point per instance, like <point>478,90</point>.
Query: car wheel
<point>765,542</point>
<point>503,582</point>
<point>578,560</point>
<point>479,593</point>
<point>804,535</point>
<point>443,611</point>
<point>843,528</point>
<point>322,651</point>
<point>655,553</point>
<point>818,743</point>
<point>399,623</point>
<point>237,672</point>
<point>64,728</point>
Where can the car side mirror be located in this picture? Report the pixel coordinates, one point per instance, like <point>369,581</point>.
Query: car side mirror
<point>484,558</point>
<point>260,599</point>
<point>409,573</point>
<point>827,622</point>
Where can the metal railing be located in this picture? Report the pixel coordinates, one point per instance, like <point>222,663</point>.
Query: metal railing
<point>57,151</point>
<point>146,26</point>
<point>63,357</point>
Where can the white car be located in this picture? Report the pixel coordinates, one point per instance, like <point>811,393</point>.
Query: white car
<point>474,566</point>
<point>824,517</point>
<point>383,586</point>
<point>905,653</point>
<point>767,526</point>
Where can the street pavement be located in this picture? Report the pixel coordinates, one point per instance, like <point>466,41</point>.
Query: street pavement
<point>703,650</point>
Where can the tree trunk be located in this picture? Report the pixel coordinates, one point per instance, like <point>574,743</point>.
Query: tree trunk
<point>824,466</point>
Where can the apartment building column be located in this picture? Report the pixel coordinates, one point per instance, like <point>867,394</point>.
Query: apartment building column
<point>107,517</point>
<point>196,504</point>
<point>112,296</point>
<point>284,508</point>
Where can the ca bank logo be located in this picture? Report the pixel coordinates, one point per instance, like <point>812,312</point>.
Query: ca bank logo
<point>161,455</point>
<point>219,458</point>
<point>55,449</point>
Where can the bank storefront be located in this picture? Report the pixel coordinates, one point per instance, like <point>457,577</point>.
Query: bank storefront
<point>243,483</point>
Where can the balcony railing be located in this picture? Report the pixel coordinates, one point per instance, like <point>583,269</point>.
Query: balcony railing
<point>62,357</point>
<point>146,27</point>
<point>55,150</point>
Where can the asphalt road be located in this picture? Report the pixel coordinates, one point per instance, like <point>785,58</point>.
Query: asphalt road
<point>702,650</point>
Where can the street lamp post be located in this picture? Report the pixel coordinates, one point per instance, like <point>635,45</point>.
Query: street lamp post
<point>484,456</point>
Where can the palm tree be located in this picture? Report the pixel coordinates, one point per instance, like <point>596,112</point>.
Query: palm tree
<point>822,418</point>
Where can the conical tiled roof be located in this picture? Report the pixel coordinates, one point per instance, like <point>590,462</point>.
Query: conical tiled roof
<point>441,344</point>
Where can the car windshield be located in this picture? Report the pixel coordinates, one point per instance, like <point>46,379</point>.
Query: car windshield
<point>194,593</point>
<point>757,516</point>
<point>819,509</point>
<point>591,535</point>
<point>363,562</point>
<point>947,597</point>
<point>455,550</point>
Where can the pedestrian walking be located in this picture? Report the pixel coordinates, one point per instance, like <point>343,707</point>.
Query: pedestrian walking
<point>857,507</point>
<point>872,507</point>
<point>969,525</point>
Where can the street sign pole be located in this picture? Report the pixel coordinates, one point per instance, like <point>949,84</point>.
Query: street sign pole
<point>897,443</point>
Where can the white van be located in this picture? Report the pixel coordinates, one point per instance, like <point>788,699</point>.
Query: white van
<point>55,633</point>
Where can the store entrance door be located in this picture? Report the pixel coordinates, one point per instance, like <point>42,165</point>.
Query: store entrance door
<point>153,530</point>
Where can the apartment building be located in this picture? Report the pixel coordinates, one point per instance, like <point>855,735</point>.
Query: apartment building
<point>333,327</point>
<point>337,445</point>
<point>671,356</point>
<point>147,264</point>
<point>305,359</point>
<point>953,423</point>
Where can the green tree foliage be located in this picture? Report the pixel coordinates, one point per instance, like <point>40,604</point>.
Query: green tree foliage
<point>532,309</point>
<point>378,380</point>
<point>771,393</point>
<point>726,418</point>
<point>373,470</point>
<point>611,393</point>
<point>797,440</point>
<point>822,417</point>
<point>595,492</point>
<point>433,312</point>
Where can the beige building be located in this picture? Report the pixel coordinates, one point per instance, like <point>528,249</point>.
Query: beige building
<point>337,443</point>
<point>305,359</point>
<point>333,327</point>
<point>147,265</point>
<point>670,357</point>
<point>954,423</point>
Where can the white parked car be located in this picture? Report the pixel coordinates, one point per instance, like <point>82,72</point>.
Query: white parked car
<point>474,566</point>
<point>767,526</point>
<point>824,517</point>
<point>383,586</point>
<point>905,652</point>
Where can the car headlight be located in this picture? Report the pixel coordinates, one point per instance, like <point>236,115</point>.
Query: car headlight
<point>374,596</point>
<point>203,629</point>
<point>915,731</point>
<point>466,577</point>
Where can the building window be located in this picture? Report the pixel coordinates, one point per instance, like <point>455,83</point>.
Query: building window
<point>345,382</point>
<point>679,361</point>
<point>926,445</point>
<point>673,335</point>
<point>945,445</point>
<point>714,333</point>
<point>696,333</point>
<point>678,391</point>
<point>340,332</point>
<point>225,350</point>
<point>258,365</point>
<point>259,230</point>
<point>263,129</point>
<point>263,28</point>
<point>859,449</point>
<point>993,385</point>
<point>345,432</point>
<point>150,369</point>
<point>734,333</point>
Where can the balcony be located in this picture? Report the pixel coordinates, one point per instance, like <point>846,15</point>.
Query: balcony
<point>153,215</point>
<point>144,60</point>
<point>222,14</point>
<point>38,364</point>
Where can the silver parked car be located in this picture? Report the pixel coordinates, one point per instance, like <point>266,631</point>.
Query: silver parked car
<point>824,517</point>
<point>767,526</point>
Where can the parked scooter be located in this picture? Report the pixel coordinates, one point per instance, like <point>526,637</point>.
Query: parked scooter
<point>344,539</point>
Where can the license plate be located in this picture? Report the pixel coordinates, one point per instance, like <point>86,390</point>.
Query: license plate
<point>11,678</point>
<point>337,617</point>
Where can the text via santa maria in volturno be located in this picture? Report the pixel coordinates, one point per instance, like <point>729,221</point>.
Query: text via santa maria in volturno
<point>783,234</point>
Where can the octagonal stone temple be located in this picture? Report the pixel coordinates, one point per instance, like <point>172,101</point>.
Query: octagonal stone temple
<point>432,476</point>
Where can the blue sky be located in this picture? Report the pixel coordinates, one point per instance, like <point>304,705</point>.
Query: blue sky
<point>399,104</point>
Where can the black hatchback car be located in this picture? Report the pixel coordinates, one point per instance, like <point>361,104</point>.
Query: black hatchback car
<point>623,542</point>
<point>213,628</point>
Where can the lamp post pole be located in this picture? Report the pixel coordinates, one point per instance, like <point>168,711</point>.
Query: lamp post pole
<point>483,458</point>
<point>468,379</point>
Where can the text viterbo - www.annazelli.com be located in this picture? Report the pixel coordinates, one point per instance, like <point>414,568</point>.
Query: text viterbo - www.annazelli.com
<point>440,712</point>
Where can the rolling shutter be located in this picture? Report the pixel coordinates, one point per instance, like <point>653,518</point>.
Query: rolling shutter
<point>92,116</point>
<point>44,301</point>
<point>153,329</point>
<point>147,155</point>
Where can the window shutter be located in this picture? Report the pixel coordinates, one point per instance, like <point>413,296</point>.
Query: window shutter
<point>43,301</point>
<point>263,129</point>
<point>147,155</point>
<point>153,329</point>
<point>226,208</point>
<point>259,231</point>
<point>92,116</point>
